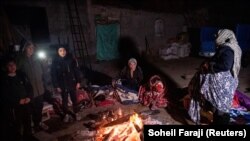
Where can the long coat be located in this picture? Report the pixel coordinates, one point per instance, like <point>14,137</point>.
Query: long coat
<point>65,72</point>
<point>33,67</point>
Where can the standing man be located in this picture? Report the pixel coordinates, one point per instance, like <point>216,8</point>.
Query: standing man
<point>32,66</point>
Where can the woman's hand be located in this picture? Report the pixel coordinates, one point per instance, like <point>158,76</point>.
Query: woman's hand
<point>204,67</point>
<point>22,101</point>
<point>78,85</point>
<point>27,100</point>
<point>59,90</point>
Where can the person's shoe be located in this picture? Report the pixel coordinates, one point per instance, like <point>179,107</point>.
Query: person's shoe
<point>43,126</point>
<point>153,107</point>
<point>72,119</point>
<point>78,117</point>
<point>66,118</point>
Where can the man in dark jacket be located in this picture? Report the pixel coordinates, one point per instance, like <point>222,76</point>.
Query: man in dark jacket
<point>66,78</point>
<point>16,94</point>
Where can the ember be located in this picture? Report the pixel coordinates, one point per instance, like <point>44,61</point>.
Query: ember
<point>126,131</point>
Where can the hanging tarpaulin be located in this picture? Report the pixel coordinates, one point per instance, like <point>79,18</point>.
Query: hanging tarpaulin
<point>107,41</point>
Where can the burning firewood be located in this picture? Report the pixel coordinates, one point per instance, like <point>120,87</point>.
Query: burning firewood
<point>127,128</point>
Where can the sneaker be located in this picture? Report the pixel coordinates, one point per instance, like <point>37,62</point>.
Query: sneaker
<point>66,118</point>
<point>72,118</point>
<point>78,117</point>
<point>43,126</point>
<point>153,107</point>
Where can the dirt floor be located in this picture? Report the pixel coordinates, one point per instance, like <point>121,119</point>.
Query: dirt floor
<point>60,131</point>
<point>177,73</point>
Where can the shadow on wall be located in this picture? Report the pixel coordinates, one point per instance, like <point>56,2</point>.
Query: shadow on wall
<point>194,34</point>
<point>127,48</point>
<point>96,78</point>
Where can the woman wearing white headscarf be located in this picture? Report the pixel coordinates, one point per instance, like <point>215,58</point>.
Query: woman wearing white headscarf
<point>131,75</point>
<point>217,80</point>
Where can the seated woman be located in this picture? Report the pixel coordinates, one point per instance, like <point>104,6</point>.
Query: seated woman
<point>131,75</point>
<point>216,81</point>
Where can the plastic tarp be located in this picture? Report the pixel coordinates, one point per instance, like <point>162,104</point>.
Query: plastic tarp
<point>107,41</point>
<point>207,39</point>
<point>243,36</point>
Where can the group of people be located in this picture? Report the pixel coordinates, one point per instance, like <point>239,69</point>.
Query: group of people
<point>212,88</point>
<point>24,90</point>
<point>152,93</point>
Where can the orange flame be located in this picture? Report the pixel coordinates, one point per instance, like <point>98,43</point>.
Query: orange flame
<point>127,131</point>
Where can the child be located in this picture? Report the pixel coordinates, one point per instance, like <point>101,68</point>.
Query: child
<point>66,77</point>
<point>154,98</point>
<point>16,95</point>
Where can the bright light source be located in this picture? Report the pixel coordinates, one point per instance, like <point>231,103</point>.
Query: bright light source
<point>41,54</point>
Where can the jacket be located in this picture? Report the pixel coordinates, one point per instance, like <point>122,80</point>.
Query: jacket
<point>15,88</point>
<point>65,72</point>
<point>222,60</point>
<point>33,68</point>
<point>130,82</point>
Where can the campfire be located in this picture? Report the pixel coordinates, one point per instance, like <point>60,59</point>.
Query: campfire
<point>127,128</point>
<point>113,125</point>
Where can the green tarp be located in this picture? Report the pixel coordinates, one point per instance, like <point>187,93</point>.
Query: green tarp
<point>107,41</point>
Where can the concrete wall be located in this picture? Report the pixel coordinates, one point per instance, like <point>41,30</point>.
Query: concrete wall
<point>58,20</point>
<point>137,24</point>
<point>133,23</point>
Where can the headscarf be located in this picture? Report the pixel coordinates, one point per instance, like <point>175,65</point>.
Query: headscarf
<point>226,37</point>
<point>132,60</point>
<point>27,44</point>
